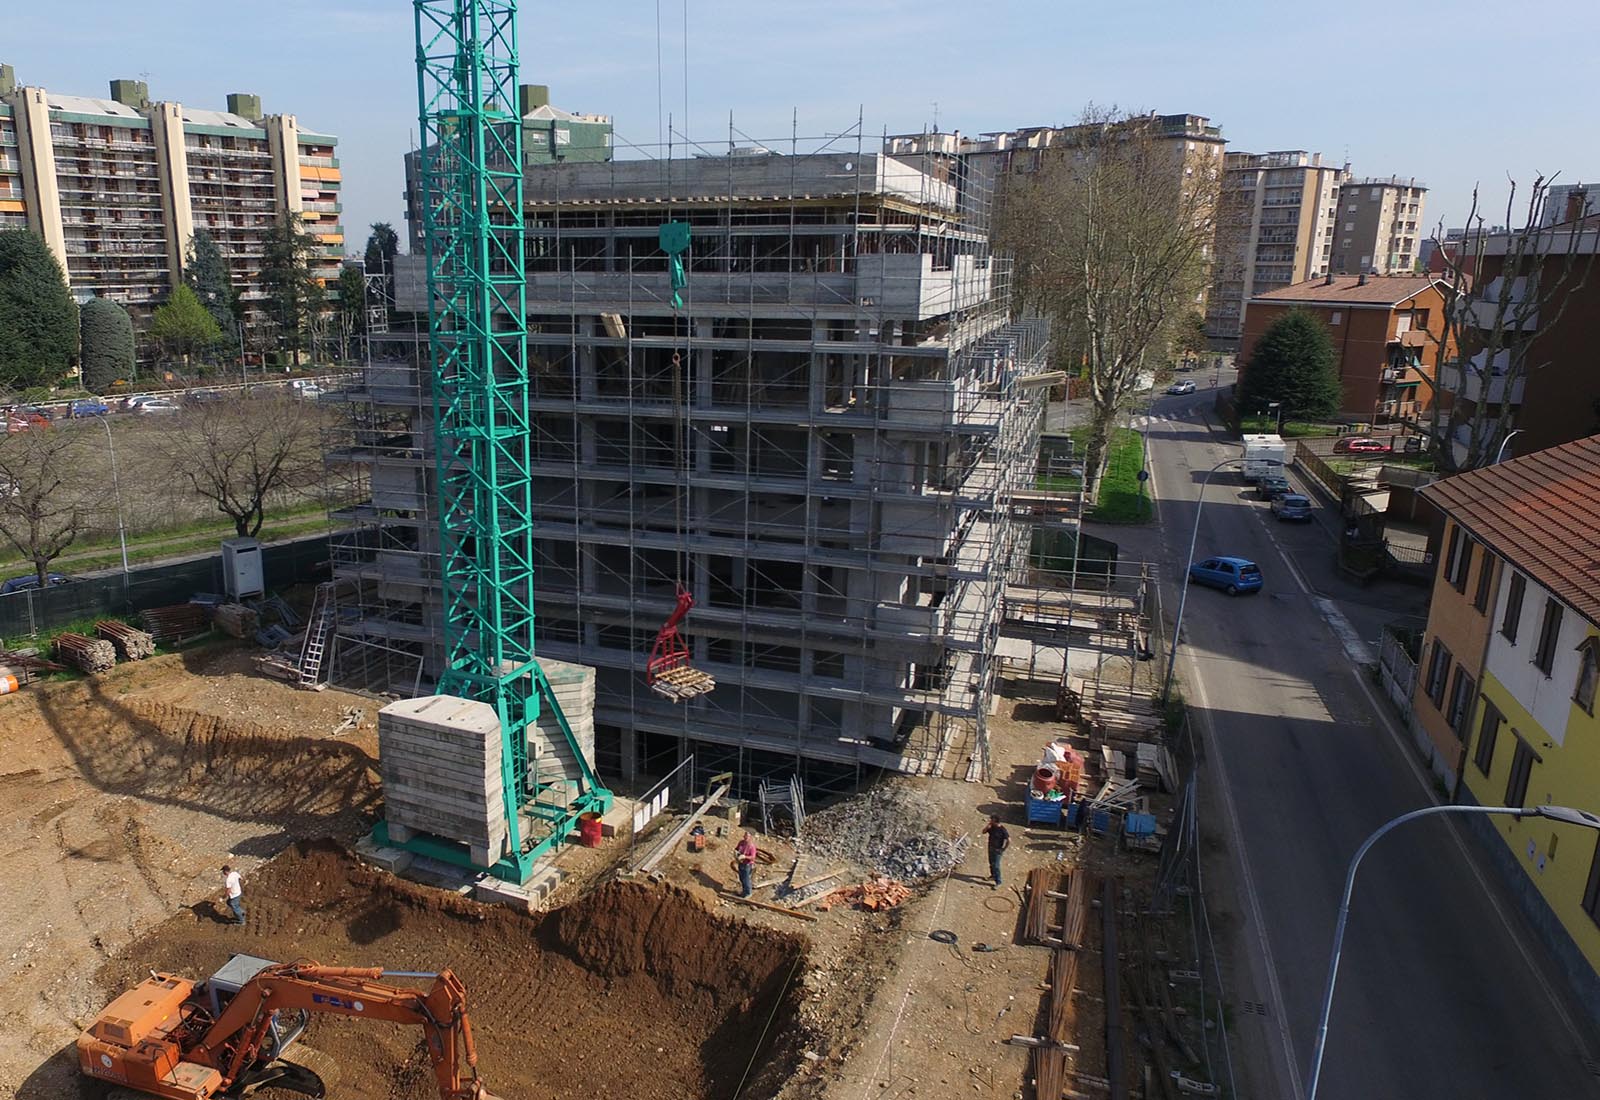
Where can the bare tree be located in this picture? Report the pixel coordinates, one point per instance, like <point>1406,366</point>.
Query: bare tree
<point>1502,288</point>
<point>246,453</point>
<point>1111,231</point>
<point>48,494</point>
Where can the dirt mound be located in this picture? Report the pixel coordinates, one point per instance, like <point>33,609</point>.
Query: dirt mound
<point>633,992</point>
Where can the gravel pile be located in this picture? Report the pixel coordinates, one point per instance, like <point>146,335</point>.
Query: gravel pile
<point>887,829</point>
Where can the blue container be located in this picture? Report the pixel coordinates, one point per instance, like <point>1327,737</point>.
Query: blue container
<point>1074,815</point>
<point>1100,820</point>
<point>1140,825</point>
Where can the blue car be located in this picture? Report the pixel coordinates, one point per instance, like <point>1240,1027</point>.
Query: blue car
<point>87,408</point>
<point>1232,575</point>
<point>22,584</point>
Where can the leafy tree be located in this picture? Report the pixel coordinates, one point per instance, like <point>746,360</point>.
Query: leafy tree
<point>382,245</point>
<point>38,318</point>
<point>51,495</point>
<point>244,453</point>
<point>1293,364</point>
<point>352,301</point>
<point>107,344</point>
<point>295,299</point>
<point>183,324</point>
<point>206,273</point>
<point>1110,230</point>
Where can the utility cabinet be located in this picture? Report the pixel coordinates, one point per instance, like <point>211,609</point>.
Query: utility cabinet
<point>241,569</point>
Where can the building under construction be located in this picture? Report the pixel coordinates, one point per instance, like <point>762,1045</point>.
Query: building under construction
<point>814,430</point>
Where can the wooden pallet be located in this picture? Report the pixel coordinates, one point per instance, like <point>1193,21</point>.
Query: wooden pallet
<point>682,684</point>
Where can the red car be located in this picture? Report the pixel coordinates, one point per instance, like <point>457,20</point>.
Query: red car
<point>1362,447</point>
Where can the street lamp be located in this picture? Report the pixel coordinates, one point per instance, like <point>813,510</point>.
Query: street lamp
<point>116,492</point>
<point>1555,813</point>
<point>1279,406</point>
<point>1501,453</point>
<point>1183,597</point>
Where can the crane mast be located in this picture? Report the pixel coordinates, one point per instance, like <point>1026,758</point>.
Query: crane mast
<point>472,211</point>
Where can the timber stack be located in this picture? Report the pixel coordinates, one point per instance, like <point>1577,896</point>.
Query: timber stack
<point>86,654</point>
<point>131,643</point>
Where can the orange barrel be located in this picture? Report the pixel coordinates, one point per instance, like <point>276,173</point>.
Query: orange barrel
<point>589,831</point>
<point>8,684</point>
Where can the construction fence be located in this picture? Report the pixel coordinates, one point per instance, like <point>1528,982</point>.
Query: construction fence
<point>27,614</point>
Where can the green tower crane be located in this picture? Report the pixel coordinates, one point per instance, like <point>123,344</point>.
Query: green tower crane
<point>477,342</point>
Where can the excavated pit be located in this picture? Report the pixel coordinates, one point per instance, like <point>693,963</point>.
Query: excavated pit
<point>633,992</point>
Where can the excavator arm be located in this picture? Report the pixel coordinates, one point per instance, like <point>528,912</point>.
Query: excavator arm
<point>235,1039</point>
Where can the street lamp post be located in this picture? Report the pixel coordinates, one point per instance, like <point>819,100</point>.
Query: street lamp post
<point>1183,596</point>
<point>1555,813</point>
<point>1501,453</point>
<point>116,493</point>
<point>1279,406</point>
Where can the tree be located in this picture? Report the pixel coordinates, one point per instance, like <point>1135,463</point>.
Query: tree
<point>295,300</point>
<point>246,453</point>
<point>382,246</point>
<point>107,333</point>
<point>48,494</point>
<point>1295,365</point>
<point>1110,231</point>
<point>183,324</point>
<point>352,306</point>
<point>1503,287</point>
<point>206,273</point>
<point>38,318</point>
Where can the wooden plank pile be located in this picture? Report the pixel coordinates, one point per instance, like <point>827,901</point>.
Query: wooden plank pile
<point>877,893</point>
<point>237,620</point>
<point>175,624</point>
<point>683,683</point>
<point>1044,894</point>
<point>86,654</point>
<point>1050,1068</point>
<point>131,643</point>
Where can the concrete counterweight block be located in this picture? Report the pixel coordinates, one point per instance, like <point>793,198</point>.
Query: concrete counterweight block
<point>439,758</point>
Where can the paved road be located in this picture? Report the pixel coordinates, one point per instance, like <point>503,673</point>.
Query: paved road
<point>1441,993</point>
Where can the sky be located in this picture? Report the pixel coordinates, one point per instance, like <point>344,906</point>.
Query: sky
<point>1456,94</point>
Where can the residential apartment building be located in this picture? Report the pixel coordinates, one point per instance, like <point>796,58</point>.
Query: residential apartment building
<point>1387,330</point>
<point>1517,691</point>
<point>1380,227</point>
<point>1275,228</point>
<point>818,445</point>
<point>549,136</point>
<point>1567,202</point>
<point>1544,370</point>
<point>117,187</point>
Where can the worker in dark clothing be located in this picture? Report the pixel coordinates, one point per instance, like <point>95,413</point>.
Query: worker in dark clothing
<point>999,841</point>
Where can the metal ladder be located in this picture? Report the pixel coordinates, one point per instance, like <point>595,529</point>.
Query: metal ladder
<point>321,624</point>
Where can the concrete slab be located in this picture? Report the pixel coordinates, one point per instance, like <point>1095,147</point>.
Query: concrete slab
<point>394,860</point>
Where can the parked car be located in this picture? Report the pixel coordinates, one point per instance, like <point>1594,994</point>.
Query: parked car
<point>24,583</point>
<point>308,390</point>
<point>1292,506</point>
<point>80,409</point>
<point>1185,386</point>
<point>156,406</point>
<point>130,404</point>
<point>19,418</point>
<point>1272,486</point>
<point>203,397</point>
<point>1361,446</point>
<point>1232,575</point>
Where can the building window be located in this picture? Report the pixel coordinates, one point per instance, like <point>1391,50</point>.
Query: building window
<point>1588,672</point>
<point>1458,563</point>
<point>1438,673</point>
<point>1335,317</point>
<point>1349,227</point>
<point>1521,768</point>
<point>1591,892</point>
<point>1513,615</point>
<point>1544,656</point>
<point>1460,713</point>
<point>1488,733</point>
<point>1485,582</point>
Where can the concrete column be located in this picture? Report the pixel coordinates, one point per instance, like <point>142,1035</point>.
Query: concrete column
<point>31,112</point>
<point>630,755</point>
<point>283,142</point>
<point>172,169</point>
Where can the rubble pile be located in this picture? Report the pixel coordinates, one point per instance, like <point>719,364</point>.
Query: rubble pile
<point>887,829</point>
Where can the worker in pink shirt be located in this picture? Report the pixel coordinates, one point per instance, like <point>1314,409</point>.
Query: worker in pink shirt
<point>744,853</point>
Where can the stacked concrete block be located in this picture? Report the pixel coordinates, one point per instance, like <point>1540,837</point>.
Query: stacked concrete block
<point>573,687</point>
<point>440,758</point>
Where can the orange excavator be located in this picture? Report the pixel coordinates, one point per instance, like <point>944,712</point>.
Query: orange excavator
<point>227,1036</point>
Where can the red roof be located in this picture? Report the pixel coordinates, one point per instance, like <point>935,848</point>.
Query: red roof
<point>1541,513</point>
<point>1389,290</point>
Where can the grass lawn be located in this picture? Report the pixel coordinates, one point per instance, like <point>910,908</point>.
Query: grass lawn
<point>1123,497</point>
<point>1292,429</point>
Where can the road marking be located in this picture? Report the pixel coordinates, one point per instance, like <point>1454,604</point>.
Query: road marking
<point>1280,1016</point>
<point>1359,652</point>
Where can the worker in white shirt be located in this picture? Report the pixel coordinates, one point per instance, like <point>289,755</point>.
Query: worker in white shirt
<point>234,892</point>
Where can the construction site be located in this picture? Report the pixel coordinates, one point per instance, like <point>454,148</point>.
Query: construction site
<point>704,504</point>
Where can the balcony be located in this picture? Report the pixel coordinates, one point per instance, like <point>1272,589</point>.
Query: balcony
<point>1474,389</point>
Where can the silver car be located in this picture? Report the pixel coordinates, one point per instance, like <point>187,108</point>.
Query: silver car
<point>1292,506</point>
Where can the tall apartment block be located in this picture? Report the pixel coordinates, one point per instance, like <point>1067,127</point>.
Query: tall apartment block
<point>117,187</point>
<point>1275,227</point>
<point>819,446</point>
<point>1380,227</point>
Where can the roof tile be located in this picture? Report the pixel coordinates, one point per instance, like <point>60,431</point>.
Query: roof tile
<point>1377,290</point>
